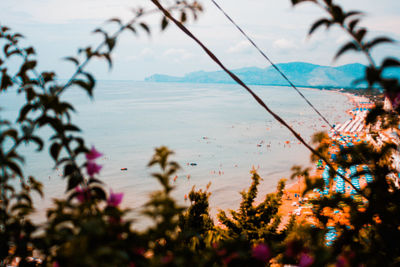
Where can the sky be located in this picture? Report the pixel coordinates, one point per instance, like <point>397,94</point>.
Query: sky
<point>58,28</point>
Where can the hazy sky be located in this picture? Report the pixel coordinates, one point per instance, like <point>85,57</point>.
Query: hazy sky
<point>57,28</point>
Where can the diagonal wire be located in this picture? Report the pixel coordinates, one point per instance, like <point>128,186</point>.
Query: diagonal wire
<point>254,95</point>
<point>277,69</point>
<point>272,64</point>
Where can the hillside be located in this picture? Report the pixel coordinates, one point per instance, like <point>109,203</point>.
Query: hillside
<point>300,73</point>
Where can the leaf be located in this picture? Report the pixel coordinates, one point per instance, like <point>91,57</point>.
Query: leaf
<point>5,81</point>
<point>28,65</point>
<point>110,43</point>
<point>13,166</point>
<point>109,60</point>
<point>55,150</point>
<point>353,24</point>
<point>378,40</point>
<point>73,60</point>
<point>74,181</point>
<point>372,75</point>
<point>352,13</point>
<point>145,27</point>
<point>99,193</point>
<point>319,23</point>
<point>69,169</point>
<point>38,141</point>
<point>12,133</point>
<point>5,48</point>
<point>30,51</point>
<point>71,128</point>
<point>183,17</point>
<point>346,47</point>
<point>116,20</point>
<point>164,23</point>
<point>132,29</point>
<point>295,2</point>
<point>360,34</point>
<point>84,85</point>
<point>24,111</point>
<point>337,14</point>
<point>30,93</point>
<point>390,62</point>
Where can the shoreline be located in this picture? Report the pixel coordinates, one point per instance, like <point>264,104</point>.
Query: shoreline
<point>293,191</point>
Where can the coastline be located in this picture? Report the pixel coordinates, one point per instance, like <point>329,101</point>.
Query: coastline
<point>294,191</point>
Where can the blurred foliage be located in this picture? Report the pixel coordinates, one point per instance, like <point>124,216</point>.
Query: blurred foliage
<point>87,227</point>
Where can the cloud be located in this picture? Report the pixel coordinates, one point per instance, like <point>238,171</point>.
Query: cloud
<point>284,44</point>
<point>61,12</point>
<point>178,54</point>
<point>241,47</point>
<point>147,52</point>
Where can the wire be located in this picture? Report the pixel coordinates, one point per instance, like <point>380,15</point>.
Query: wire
<point>254,95</point>
<point>272,64</point>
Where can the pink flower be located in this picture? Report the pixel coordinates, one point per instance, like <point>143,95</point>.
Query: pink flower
<point>55,264</point>
<point>93,168</point>
<point>93,154</point>
<point>394,98</point>
<point>305,260</point>
<point>82,195</point>
<point>114,199</point>
<point>261,252</point>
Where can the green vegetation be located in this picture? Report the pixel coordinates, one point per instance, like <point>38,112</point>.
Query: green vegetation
<point>87,227</point>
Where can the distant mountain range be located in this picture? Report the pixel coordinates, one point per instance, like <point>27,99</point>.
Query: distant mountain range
<point>299,73</point>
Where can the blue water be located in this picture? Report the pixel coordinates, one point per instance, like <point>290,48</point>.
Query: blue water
<point>216,126</point>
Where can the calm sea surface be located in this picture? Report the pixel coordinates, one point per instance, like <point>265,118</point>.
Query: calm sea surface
<point>217,126</point>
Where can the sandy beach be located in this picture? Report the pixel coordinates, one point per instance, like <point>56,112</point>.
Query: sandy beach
<point>293,198</point>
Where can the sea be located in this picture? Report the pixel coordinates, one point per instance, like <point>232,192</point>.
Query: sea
<point>217,131</point>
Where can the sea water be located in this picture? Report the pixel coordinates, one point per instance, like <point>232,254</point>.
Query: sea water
<point>218,127</point>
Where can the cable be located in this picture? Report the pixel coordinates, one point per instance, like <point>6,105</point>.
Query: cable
<point>272,64</point>
<point>254,95</point>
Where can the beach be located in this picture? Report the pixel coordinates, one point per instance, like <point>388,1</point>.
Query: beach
<point>350,131</point>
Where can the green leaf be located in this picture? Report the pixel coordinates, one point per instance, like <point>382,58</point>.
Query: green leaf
<point>132,29</point>
<point>145,27</point>
<point>30,51</point>
<point>74,181</point>
<point>12,133</point>
<point>108,58</point>
<point>28,65</point>
<point>360,34</point>
<point>71,128</point>
<point>295,2</point>
<point>110,43</point>
<point>319,23</point>
<point>390,62</point>
<point>13,166</point>
<point>378,40</point>
<point>164,23</point>
<point>5,80</point>
<point>38,141</point>
<point>116,20</point>
<point>353,24</point>
<point>183,17</point>
<point>69,169</point>
<point>345,48</point>
<point>73,60</point>
<point>352,13</point>
<point>55,150</point>
<point>24,111</point>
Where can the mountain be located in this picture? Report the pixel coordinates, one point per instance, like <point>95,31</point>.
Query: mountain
<point>299,73</point>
